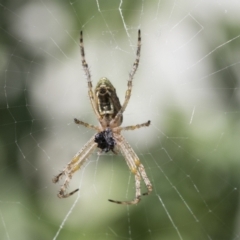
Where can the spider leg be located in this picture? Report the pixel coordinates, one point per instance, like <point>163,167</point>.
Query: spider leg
<point>75,164</point>
<point>145,179</point>
<point>146,124</point>
<point>136,168</point>
<point>132,166</point>
<point>140,167</point>
<point>77,121</point>
<point>138,194</point>
<point>131,75</point>
<point>87,72</point>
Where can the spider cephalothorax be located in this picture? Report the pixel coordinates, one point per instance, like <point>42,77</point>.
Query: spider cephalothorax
<point>109,112</point>
<point>105,140</point>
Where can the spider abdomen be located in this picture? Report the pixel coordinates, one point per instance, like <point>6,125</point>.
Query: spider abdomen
<point>107,101</point>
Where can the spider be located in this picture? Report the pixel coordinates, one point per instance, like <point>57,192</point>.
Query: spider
<point>109,112</point>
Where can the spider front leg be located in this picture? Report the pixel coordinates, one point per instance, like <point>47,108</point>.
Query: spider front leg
<point>134,170</point>
<point>133,164</point>
<point>75,164</point>
<point>145,179</point>
<point>62,192</point>
<point>137,199</point>
<point>140,167</point>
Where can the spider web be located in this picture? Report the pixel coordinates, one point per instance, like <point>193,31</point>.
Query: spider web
<point>187,84</point>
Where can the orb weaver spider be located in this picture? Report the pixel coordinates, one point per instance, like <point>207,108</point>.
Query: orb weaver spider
<point>109,112</point>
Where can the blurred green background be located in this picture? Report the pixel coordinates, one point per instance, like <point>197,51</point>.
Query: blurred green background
<point>187,84</point>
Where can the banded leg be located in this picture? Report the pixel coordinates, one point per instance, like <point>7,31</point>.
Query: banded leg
<point>87,72</point>
<point>132,166</point>
<point>131,75</point>
<point>140,168</point>
<point>145,179</point>
<point>77,121</point>
<point>146,124</point>
<point>77,161</point>
<point>138,193</point>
